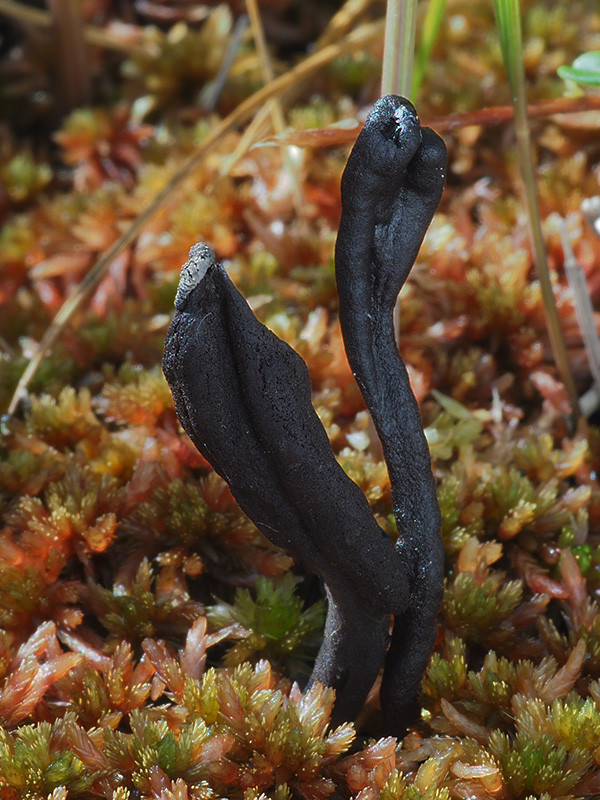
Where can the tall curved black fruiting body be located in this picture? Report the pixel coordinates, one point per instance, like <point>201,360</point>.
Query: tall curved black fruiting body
<point>391,187</point>
<point>244,398</point>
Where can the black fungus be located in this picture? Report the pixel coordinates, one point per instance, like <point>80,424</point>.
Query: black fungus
<point>391,187</point>
<point>244,398</point>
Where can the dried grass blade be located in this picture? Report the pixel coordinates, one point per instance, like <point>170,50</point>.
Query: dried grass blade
<point>260,42</point>
<point>259,126</point>
<point>343,132</point>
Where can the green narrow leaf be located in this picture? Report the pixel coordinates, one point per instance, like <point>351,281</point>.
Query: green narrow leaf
<point>399,47</point>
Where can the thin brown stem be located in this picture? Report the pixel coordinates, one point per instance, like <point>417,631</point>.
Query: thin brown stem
<point>499,114</point>
<point>73,79</point>
<point>339,134</point>
<point>39,18</point>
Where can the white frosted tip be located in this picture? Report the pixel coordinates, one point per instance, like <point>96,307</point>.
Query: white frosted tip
<point>195,268</point>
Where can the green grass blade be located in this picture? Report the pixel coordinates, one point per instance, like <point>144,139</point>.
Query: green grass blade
<point>429,33</point>
<point>509,27</point>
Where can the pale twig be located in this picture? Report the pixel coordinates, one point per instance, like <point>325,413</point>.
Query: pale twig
<point>357,40</point>
<point>274,105</point>
<point>258,34</point>
<point>498,114</point>
<point>212,92</point>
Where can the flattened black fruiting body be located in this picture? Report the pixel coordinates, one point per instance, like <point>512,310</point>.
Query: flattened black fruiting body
<point>391,188</point>
<point>244,398</point>
<point>353,650</point>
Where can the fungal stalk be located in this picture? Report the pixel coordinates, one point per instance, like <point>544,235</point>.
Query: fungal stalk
<point>244,398</point>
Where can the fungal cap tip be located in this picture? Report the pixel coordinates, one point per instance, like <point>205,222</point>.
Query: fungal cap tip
<point>200,259</point>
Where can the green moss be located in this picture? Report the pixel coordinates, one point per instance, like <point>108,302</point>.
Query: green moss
<point>276,626</point>
<point>538,765</point>
<point>480,612</point>
<point>33,762</point>
<point>150,634</point>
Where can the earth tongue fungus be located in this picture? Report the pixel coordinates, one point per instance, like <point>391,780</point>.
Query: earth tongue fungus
<point>244,398</point>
